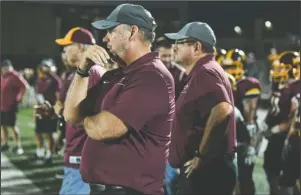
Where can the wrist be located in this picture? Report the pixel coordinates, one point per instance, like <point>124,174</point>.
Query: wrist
<point>199,154</point>
<point>83,72</point>
<point>84,65</point>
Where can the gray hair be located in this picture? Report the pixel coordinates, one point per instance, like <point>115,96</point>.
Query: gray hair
<point>147,36</point>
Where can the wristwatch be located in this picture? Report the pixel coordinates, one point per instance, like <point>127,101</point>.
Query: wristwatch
<point>198,154</point>
<point>82,73</point>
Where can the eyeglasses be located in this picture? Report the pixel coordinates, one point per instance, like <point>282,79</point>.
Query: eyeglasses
<point>182,41</point>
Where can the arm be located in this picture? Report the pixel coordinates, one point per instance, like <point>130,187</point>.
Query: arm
<point>212,134</point>
<point>23,85</point>
<point>250,106</point>
<point>76,94</point>
<point>285,125</point>
<point>104,125</point>
<point>129,108</point>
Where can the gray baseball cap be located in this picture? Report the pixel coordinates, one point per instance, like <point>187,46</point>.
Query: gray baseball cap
<point>130,14</point>
<point>198,30</point>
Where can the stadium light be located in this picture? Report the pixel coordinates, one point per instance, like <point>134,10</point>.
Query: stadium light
<point>238,30</point>
<point>268,25</point>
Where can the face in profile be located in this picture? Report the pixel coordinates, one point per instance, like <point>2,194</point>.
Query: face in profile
<point>72,54</point>
<point>183,52</point>
<point>165,54</point>
<point>117,40</point>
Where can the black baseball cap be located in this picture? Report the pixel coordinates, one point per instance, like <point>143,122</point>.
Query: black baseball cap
<point>198,30</point>
<point>130,14</point>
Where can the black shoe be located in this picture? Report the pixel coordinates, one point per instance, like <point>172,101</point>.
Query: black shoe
<point>59,174</point>
<point>47,161</point>
<point>4,148</point>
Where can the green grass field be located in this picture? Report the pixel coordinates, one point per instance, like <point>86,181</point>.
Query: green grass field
<point>44,176</point>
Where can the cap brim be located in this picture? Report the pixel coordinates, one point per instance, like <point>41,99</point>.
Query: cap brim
<point>175,36</point>
<point>63,42</point>
<point>104,24</point>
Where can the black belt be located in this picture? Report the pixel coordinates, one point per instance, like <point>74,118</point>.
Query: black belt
<point>103,188</point>
<point>111,189</point>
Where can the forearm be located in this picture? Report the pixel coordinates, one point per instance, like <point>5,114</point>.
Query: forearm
<point>215,129</point>
<point>20,94</point>
<point>250,107</point>
<point>76,94</point>
<point>104,126</point>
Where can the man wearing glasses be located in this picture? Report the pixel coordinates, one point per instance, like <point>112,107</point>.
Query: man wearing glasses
<point>203,131</point>
<point>129,117</point>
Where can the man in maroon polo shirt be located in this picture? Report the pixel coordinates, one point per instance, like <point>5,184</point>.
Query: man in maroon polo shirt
<point>164,48</point>
<point>131,110</point>
<point>13,87</point>
<point>203,134</point>
<point>47,89</point>
<point>75,43</point>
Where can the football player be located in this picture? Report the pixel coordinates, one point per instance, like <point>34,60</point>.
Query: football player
<point>47,89</point>
<point>281,113</point>
<point>290,176</point>
<point>246,97</point>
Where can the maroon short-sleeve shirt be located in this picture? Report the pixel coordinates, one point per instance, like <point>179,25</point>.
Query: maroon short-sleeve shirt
<point>142,96</point>
<point>48,87</point>
<point>207,85</point>
<point>75,133</point>
<point>11,85</point>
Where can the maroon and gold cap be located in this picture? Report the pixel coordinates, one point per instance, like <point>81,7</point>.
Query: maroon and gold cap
<point>77,35</point>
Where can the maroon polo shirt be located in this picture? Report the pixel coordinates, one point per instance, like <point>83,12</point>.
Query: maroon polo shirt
<point>66,78</point>
<point>75,133</point>
<point>12,85</point>
<point>207,85</point>
<point>48,86</point>
<point>243,86</point>
<point>142,96</point>
<point>179,76</point>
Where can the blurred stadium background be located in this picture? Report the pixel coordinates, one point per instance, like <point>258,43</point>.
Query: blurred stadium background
<point>29,30</point>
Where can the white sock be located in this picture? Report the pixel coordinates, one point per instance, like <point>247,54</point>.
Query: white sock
<point>40,152</point>
<point>48,154</point>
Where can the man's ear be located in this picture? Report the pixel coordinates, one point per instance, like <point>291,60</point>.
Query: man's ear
<point>198,47</point>
<point>134,30</point>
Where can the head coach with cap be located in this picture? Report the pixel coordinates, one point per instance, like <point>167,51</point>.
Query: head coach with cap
<point>203,132</point>
<point>130,115</point>
<point>74,46</point>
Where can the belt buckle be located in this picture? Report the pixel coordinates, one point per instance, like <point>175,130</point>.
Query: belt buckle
<point>74,159</point>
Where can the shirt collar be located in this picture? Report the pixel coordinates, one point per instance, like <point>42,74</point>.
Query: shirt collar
<point>202,61</point>
<point>140,61</point>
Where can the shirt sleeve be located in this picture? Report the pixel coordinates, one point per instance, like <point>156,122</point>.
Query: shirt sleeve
<point>22,85</point>
<point>21,82</point>
<point>210,91</point>
<point>96,72</point>
<point>145,97</point>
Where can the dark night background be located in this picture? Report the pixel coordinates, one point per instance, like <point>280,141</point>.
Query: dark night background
<point>28,29</point>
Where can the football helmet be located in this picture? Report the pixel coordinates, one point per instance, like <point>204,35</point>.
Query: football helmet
<point>220,55</point>
<point>232,81</point>
<point>285,67</point>
<point>233,63</point>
